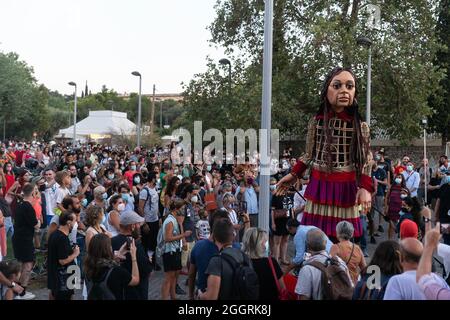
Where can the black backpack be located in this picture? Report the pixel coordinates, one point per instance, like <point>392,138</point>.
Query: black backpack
<point>99,290</point>
<point>245,280</point>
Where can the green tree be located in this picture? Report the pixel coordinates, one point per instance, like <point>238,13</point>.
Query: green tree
<point>310,38</point>
<point>440,102</point>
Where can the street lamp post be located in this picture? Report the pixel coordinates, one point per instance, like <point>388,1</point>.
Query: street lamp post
<point>225,61</point>
<point>425,164</point>
<point>364,41</point>
<point>137,74</point>
<point>74,114</point>
<point>263,216</point>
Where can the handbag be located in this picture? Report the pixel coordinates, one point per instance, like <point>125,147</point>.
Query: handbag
<point>283,294</point>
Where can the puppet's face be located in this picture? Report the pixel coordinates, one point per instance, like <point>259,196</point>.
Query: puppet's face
<point>341,91</point>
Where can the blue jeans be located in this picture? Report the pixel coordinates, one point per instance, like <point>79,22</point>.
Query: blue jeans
<point>363,239</point>
<point>9,226</point>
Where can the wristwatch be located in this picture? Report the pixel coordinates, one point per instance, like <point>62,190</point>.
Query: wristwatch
<point>13,284</point>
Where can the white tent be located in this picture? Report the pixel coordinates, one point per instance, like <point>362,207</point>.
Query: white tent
<point>99,125</point>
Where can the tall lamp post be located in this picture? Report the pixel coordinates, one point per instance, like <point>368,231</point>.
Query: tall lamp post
<point>425,164</point>
<point>137,74</point>
<point>263,219</point>
<point>366,42</point>
<point>74,113</point>
<point>225,61</point>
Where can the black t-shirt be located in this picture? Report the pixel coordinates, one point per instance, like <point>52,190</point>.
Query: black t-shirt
<point>117,282</point>
<point>444,207</point>
<point>268,289</point>
<point>139,292</point>
<point>220,268</point>
<point>59,248</point>
<point>25,221</point>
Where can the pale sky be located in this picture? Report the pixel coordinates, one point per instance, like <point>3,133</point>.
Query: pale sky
<point>103,41</point>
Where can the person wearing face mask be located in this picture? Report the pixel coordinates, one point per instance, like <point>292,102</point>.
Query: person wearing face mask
<point>255,244</point>
<point>61,255</point>
<point>412,210</point>
<point>412,179</point>
<point>129,174</point>
<point>138,185</point>
<point>149,209</point>
<point>124,190</point>
<point>116,207</point>
<point>393,203</point>
<point>130,225</point>
<point>100,197</point>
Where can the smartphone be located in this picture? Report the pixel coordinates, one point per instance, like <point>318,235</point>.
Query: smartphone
<point>129,241</point>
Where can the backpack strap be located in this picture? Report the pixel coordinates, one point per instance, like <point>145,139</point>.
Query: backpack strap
<point>351,254</point>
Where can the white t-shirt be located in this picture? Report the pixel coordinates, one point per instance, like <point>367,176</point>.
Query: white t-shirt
<point>61,193</point>
<point>299,202</point>
<point>50,199</point>
<point>404,287</point>
<point>74,185</point>
<point>443,251</point>
<point>412,180</point>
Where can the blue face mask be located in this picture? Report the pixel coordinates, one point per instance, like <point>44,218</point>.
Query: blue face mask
<point>267,249</point>
<point>208,167</point>
<point>84,202</point>
<point>105,196</point>
<point>125,197</point>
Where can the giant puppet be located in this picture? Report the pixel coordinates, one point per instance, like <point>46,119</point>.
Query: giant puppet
<point>338,155</point>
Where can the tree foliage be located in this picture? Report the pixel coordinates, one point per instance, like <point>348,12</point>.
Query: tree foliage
<point>311,37</point>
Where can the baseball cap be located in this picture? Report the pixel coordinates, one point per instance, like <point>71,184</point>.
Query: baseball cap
<point>130,217</point>
<point>408,229</point>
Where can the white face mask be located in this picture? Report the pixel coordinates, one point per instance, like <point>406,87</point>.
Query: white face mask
<point>121,207</point>
<point>194,199</point>
<point>409,168</point>
<point>398,181</point>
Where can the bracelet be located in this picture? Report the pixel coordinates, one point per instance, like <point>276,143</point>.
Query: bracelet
<point>133,260</point>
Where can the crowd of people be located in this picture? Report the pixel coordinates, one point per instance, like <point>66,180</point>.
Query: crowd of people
<point>119,215</point>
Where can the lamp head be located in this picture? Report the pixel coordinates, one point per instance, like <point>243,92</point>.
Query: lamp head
<point>135,73</point>
<point>224,61</point>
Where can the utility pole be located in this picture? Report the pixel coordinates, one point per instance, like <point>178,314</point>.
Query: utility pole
<point>153,112</point>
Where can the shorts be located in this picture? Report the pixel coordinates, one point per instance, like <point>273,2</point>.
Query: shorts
<point>186,254</point>
<point>172,261</point>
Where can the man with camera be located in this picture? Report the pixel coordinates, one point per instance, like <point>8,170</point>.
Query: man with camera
<point>130,225</point>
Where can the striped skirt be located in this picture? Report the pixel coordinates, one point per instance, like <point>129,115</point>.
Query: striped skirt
<point>331,199</point>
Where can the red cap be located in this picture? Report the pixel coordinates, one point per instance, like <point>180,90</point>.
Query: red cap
<point>409,229</point>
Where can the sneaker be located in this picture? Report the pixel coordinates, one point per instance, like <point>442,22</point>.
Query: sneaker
<point>180,291</point>
<point>380,228</point>
<point>372,240</point>
<point>27,296</point>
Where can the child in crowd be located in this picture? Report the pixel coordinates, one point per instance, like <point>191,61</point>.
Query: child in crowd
<point>202,227</point>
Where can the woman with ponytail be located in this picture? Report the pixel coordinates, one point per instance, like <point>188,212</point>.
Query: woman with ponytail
<point>338,155</point>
